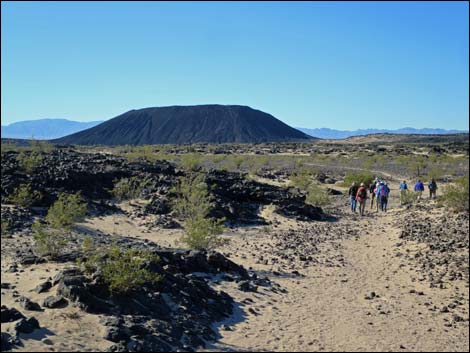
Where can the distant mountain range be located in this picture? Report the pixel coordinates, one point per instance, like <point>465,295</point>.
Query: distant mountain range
<point>326,133</point>
<point>211,123</point>
<point>45,129</point>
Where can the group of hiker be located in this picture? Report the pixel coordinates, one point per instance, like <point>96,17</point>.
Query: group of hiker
<point>419,188</point>
<point>380,191</point>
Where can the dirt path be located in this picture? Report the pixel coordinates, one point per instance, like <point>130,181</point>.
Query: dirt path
<point>328,309</point>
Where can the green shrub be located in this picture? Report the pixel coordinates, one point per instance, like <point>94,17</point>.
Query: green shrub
<point>190,161</point>
<point>41,146</point>
<point>435,173</point>
<point>408,197</point>
<point>415,164</point>
<point>127,189</point>
<point>456,196</point>
<point>218,158</point>
<point>5,227</point>
<point>67,210</point>
<point>29,162</point>
<point>301,180</point>
<point>203,233</point>
<point>24,196</point>
<point>49,241</point>
<point>193,198</point>
<point>123,271</point>
<point>193,205</point>
<point>362,177</point>
<point>317,196</point>
<point>237,162</point>
<point>257,164</point>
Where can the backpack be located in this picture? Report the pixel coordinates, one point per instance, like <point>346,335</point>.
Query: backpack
<point>432,186</point>
<point>362,193</point>
<point>383,190</point>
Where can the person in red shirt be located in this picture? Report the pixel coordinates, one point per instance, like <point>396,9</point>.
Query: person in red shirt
<point>361,197</point>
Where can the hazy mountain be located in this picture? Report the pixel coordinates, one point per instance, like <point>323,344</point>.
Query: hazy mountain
<point>44,129</point>
<point>326,133</point>
<point>187,124</point>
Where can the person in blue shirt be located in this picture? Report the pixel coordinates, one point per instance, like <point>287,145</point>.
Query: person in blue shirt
<point>419,188</point>
<point>403,190</point>
<point>383,194</point>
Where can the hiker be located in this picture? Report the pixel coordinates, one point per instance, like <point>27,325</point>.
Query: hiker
<point>419,188</point>
<point>352,196</point>
<point>361,196</point>
<point>403,190</point>
<point>377,196</point>
<point>432,186</point>
<point>384,191</point>
<point>372,193</point>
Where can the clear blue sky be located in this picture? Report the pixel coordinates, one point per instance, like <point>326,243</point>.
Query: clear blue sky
<point>337,65</point>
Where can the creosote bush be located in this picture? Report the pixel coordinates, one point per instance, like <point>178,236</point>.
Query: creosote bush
<point>24,196</point>
<point>315,195</point>
<point>408,197</point>
<point>193,205</point>
<point>456,196</point>
<point>52,237</point>
<point>362,177</point>
<point>49,241</point>
<point>190,161</point>
<point>5,227</point>
<point>203,233</point>
<point>127,188</point>
<point>29,162</point>
<point>67,210</point>
<point>123,271</point>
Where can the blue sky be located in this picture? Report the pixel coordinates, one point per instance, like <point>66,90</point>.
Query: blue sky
<point>337,65</point>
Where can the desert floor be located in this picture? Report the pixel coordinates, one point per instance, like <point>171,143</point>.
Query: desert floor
<point>361,294</point>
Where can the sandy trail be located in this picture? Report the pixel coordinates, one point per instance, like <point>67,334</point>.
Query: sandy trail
<point>327,310</point>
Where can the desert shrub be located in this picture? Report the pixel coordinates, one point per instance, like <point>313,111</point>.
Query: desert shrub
<point>203,233</point>
<point>67,210</point>
<point>50,241</point>
<point>416,165</point>
<point>362,177</point>
<point>370,161</point>
<point>435,173</point>
<point>257,164</point>
<point>317,196</point>
<point>8,146</point>
<point>147,153</point>
<point>123,271</point>
<point>408,197</point>
<point>456,196</point>
<point>5,226</point>
<point>237,162</point>
<point>193,205</point>
<point>127,188</point>
<point>52,237</point>
<point>29,162</point>
<point>24,196</point>
<point>216,159</point>
<point>190,161</point>
<point>193,198</point>
<point>301,180</point>
<point>41,146</point>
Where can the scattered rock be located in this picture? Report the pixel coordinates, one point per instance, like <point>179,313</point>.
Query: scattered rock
<point>54,302</point>
<point>27,325</point>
